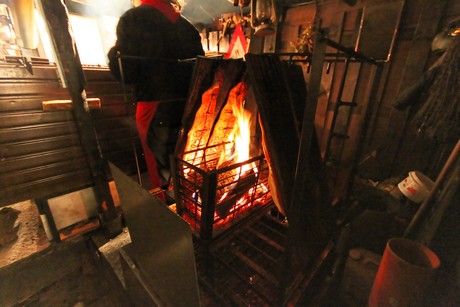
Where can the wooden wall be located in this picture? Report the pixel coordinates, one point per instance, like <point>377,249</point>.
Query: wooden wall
<point>41,155</point>
<point>388,134</point>
<point>40,152</point>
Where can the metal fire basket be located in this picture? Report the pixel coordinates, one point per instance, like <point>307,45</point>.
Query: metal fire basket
<point>213,199</point>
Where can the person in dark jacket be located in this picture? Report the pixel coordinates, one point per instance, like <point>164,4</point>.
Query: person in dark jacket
<point>153,40</point>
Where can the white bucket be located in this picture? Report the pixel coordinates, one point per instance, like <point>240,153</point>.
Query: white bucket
<point>416,186</point>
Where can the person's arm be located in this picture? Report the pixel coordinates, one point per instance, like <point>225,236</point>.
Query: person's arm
<point>126,45</point>
<point>197,47</point>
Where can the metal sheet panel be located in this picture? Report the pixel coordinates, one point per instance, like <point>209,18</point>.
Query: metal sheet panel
<point>162,243</point>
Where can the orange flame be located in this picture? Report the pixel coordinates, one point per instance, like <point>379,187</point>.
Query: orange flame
<point>229,143</point>
<point>239,139</point>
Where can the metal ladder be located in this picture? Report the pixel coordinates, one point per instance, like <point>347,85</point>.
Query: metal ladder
<point>333,134</point>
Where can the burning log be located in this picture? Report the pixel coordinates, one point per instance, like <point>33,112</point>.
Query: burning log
<point>226,139</point>
<point>221,175</point>
<point>235,192</point>
<point>229,124</point>
<point>203,77</point>
<point>200,131</point>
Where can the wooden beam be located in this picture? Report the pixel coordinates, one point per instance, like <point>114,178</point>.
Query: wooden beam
<point>307,128</point>
<point>66,104</point>
<point>57,19</point>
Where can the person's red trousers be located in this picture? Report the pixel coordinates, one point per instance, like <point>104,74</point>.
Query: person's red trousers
<point>144,115</point>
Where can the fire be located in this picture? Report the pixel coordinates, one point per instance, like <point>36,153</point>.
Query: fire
<point>223,146</point>
<point>229,139</point>
<point>199,134</point>
<point>225,139</point>
<point>239,140</point>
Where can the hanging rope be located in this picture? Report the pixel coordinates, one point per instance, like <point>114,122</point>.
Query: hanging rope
<point>439,116</point>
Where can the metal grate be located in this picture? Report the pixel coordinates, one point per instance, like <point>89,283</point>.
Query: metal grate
<point>245,268</point>
<point>212,199</point>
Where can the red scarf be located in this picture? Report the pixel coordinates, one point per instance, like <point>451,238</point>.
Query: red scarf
<point>166,8</point>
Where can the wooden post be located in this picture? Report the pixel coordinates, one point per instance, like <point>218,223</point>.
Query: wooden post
<point>303,200</point>
<point>49,226</point>
<point>57,19</point>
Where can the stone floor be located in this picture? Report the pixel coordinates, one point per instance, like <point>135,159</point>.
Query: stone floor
<point>37,272</point>
<point>84,286</point>
<point>27,235</point>
<point>91,275</point>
